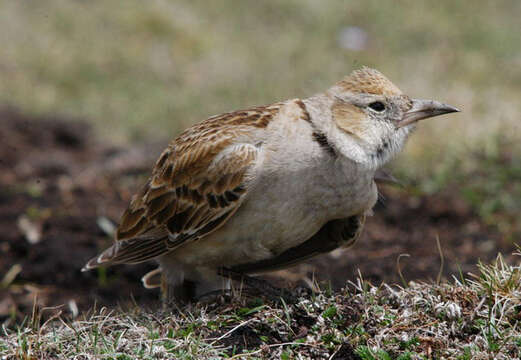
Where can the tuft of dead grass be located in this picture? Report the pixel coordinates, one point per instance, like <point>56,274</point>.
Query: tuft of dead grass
<point>468,318</point>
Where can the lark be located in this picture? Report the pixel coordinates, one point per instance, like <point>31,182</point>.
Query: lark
<point>266,187</point>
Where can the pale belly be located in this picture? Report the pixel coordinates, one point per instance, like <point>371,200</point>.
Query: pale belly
<point>277,216</point>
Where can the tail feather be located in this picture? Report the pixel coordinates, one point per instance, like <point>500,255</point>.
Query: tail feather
<point>132,251</point>
<point>105,258</point>
<point>152,279</point>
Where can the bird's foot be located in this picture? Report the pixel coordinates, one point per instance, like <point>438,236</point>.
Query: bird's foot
<point>257,287</point>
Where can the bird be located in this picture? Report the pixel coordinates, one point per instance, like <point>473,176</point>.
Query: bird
<point>266,187</point>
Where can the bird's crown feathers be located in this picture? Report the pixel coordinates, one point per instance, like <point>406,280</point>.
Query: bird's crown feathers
<point>369,81</point>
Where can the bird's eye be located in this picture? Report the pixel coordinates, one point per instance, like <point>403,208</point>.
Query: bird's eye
<point>377,106</point>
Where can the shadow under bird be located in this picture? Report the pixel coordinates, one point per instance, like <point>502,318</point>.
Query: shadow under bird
<point>266,187</point>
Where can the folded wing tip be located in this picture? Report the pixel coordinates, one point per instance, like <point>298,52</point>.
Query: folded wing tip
<point>91,264</point>
<point>105,258</point>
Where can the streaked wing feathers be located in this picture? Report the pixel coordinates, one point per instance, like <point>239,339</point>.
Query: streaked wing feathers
<point>198,182</point>
<point>195,206</point>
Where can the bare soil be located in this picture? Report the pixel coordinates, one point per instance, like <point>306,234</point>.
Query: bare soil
<point>58,181</point>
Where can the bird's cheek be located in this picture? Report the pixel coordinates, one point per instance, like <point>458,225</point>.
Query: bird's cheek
<point>349,118</point>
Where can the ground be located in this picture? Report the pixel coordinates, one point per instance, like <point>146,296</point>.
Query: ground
<point>147,70</point>
<point>62,188</point>
<point>472,318</point>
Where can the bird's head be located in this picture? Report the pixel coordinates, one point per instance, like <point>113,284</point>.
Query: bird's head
<point>373,117</point>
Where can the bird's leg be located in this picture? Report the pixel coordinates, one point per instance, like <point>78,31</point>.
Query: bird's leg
<point>255,285</point>
<point>247,280</point>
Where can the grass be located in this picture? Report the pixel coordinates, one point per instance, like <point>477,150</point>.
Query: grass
<point>472,318</point>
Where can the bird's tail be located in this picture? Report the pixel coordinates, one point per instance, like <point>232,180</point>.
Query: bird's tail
<point>130,251</point>
<point>103,259</point>
<point>152,279</point>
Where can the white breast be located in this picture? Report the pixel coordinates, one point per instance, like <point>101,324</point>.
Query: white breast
<point>298,188</point>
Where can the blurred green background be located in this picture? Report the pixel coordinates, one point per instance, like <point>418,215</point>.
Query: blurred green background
<point>147,69</point>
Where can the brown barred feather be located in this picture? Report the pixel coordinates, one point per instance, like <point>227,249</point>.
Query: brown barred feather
<point>139,228</point>
<point>196,185</point>
<point>131,217</point>
<point>159,203</point>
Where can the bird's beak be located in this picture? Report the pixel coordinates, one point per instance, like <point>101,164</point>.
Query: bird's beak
<point>423,109</point>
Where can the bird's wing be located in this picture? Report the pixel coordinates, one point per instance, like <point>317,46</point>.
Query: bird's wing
<point>199,181</point>
<point>335,234</point>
